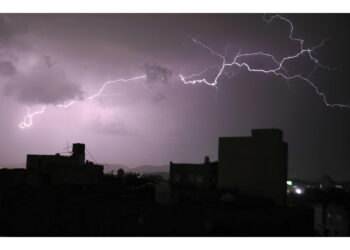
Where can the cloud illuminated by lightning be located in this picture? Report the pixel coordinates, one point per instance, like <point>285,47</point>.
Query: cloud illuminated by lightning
<point>278,70</point>
<point>28,121</point>
<point>238,61</point>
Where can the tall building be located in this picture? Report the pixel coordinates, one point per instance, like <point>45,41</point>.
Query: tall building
<point>57,169</point>
<point>255,165</point>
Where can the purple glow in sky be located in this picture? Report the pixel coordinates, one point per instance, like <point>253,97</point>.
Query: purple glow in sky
<point>113,82</point>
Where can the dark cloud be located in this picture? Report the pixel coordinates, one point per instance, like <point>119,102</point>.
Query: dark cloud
<point>155,72</point>
<point>5,29</point>
<point>7,68</point>
<point>48,61</point>
<point>10,27</point>
<point>43,86</point>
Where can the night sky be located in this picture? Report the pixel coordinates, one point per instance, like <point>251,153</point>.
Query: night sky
<point>53,59</point>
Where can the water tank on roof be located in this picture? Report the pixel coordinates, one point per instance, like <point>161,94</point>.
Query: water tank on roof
<point>79,153</point>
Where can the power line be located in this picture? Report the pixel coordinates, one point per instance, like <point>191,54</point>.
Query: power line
<point>90,155</point>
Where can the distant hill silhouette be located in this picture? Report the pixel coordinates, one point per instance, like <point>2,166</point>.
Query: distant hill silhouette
<point>108,167</point>
<point>14,165</point>
<point>162,170</point>
<point>150,169</point>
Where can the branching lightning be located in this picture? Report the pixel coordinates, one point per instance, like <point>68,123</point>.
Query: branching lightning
<point>238,61</point>
<point>278,70</point>
<point>28,121</point>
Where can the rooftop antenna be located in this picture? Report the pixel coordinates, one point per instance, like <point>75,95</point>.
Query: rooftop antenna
<point>67,149</point>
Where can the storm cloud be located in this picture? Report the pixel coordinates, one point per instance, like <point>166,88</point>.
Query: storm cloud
<point>169,120</point>
<point>42,86</point>
<point>156,72</point>
<point>7,68</point>
<point>9,28</point>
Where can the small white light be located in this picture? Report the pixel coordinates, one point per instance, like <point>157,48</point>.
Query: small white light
<point>289,183</point>
<point>298,191</point>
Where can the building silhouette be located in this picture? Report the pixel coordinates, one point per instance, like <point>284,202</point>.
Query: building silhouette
<point>231,197</point>
<point>56,169</point>
<point>12,177</point>
<point>255,165</point>
<point>188,175</point>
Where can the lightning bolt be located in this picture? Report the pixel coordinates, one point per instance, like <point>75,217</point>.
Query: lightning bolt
<point>28,118</point>
<point>238,61</point>
<point>100,91</point>
<point>277,70</point>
